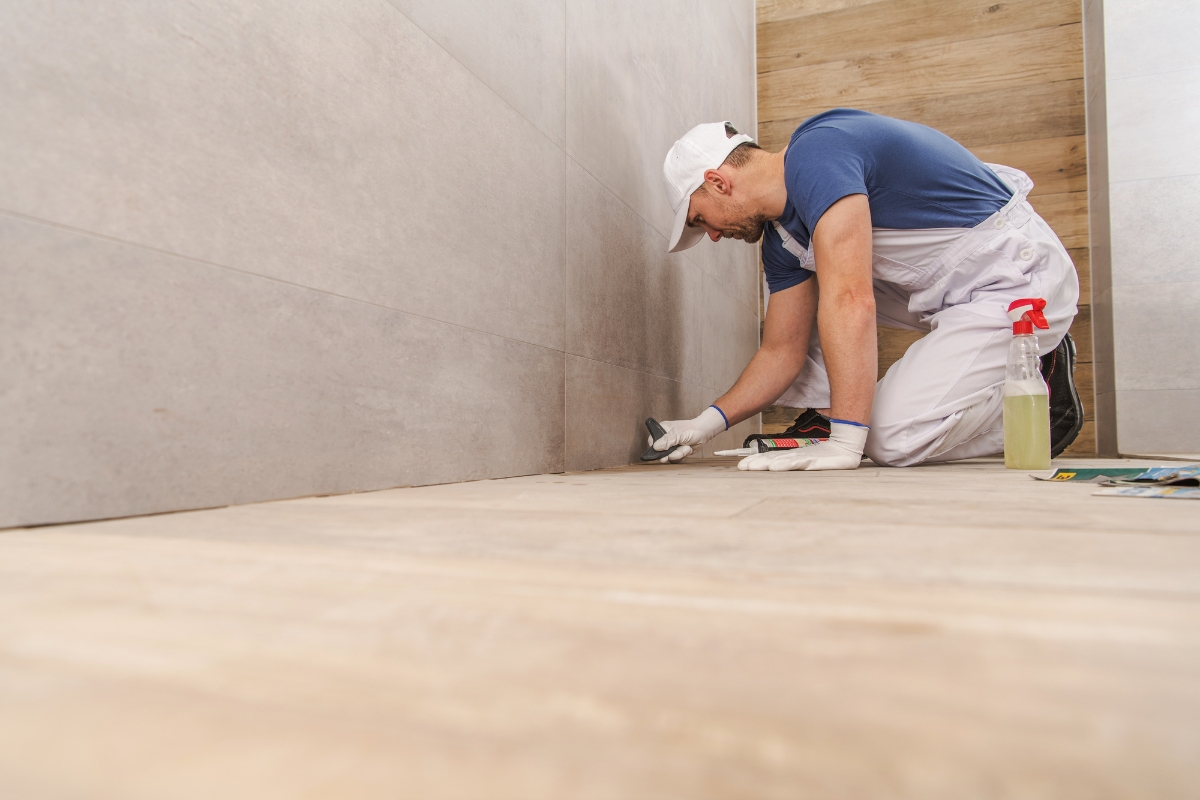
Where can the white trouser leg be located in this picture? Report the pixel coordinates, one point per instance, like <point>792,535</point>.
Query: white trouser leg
<point>944,399</point>
<point>811,387</point>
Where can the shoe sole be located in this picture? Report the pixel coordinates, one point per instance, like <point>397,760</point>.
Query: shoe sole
<point>1072,434</point>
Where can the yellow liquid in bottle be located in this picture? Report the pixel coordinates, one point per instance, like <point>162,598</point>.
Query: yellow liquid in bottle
<point>1027,431</point>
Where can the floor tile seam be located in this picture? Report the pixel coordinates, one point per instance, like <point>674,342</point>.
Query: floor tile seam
<point>550,571</point>
<point>269,278</point>
<point>560,146</point>
<point>923,45</point>
<point>705,584</point>
<point>737,516</point>
<point>1109,80</point>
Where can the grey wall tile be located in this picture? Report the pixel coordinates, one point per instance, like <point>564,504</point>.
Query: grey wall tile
<point>732,264</point>
<point>1106,424</point>
<point>1154,336</point>
<point>730,337</point>
<point>134,382</point>
<point>1147,36</point>
<point>606,409</point>
<point>1102,341</point>
<point>1152,124</point>
<point>629,302</point>
<point>1159,422</point>
<point>1155,231</point>
<point>638,77</point>
<point>334,146</point>
<point>1095,72</point>
<point>516,47</point>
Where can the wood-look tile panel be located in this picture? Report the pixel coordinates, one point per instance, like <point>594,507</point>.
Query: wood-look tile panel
<point>1019,113</point>
<point>1056,165</point>
<point>924,73</point>
<point>851,33</point>
<point>1004,80</point>
<point>1067,215</point>
<point>1048,110</point>
<point>1083,265</point>
<point>778,10</point>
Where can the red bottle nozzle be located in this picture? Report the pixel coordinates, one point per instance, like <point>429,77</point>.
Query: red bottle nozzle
<point>1027,313</point>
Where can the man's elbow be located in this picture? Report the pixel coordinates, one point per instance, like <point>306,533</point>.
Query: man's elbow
<point>852,302</point>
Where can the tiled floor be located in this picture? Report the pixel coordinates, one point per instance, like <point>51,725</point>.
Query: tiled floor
<point>649,632</point>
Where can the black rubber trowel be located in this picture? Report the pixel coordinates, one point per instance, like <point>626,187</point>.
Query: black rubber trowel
<point>656,432</point>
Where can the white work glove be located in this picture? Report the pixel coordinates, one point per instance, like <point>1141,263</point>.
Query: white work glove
<point>689,433</point>
<point>842,450</point>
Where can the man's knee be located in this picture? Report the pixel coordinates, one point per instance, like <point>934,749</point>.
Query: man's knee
<point>887,444</point>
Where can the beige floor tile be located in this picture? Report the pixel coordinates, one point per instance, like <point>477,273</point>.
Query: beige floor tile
<point>645,632</point>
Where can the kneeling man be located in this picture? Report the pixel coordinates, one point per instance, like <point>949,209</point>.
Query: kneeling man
<point>862,219</point>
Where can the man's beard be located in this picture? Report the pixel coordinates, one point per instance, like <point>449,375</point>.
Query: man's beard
<point>749,230</point>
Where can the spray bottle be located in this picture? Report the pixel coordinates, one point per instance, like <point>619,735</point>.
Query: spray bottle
<point>1026,398</point>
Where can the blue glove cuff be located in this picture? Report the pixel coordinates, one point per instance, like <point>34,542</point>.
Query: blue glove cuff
<point>722,413</point>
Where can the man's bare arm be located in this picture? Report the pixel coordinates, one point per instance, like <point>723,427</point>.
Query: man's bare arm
<point>781,356</point>
<point>846,317</point>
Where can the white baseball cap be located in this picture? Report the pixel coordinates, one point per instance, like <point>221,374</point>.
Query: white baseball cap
<point>702,148</point>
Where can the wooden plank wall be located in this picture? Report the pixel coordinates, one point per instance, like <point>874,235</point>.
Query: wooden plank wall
<point>1003,77</point>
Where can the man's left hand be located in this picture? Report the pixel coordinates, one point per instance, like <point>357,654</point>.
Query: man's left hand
<point>842,450</point>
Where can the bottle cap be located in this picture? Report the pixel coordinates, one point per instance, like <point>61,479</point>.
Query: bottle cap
<point>1026,313</point>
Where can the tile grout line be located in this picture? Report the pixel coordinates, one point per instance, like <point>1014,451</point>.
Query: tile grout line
<point>1147,180</point>
<point>1109,80</point>
<point>481,81</point>
<point>103,237</point>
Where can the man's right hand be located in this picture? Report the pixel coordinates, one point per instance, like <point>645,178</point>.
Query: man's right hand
<point>688,433</point>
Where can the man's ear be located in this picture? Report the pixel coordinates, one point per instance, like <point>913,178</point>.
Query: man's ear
<point>717,182</point>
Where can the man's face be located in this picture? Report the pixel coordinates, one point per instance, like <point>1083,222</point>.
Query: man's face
<point>724,217</point>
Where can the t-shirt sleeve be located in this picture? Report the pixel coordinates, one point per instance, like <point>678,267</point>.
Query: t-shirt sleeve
<point>828,164</point>
<point>781,268</point>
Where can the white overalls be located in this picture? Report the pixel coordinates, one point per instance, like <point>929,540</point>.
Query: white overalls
<point>943,399</point>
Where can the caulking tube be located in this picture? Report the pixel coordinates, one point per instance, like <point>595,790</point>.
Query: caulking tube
<point>766,445</point>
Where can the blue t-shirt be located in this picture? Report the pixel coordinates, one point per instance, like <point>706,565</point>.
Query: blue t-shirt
<point>913,177</point>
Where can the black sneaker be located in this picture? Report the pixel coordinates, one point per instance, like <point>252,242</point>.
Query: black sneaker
<point>1066,409</point>
<point>809,425</point>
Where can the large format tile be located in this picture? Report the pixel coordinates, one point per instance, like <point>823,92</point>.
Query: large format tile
<point>732,264</point>
<point>1155,231</point>
<point>607,407</point>
<point>1158,421</point>
<point>944,632</point>
<point>730,337</point>
<point>1148,36</point>
<point>629,302</point>
<point>134,382</point>
<point>334,146</point>
<point>1151,125</point>
<point>1154,336</point>
<point>516,48</point>
<point>638,77</point>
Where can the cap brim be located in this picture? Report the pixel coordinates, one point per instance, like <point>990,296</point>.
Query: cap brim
<point>683,237</point>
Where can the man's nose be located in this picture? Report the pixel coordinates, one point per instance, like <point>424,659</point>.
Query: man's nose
<point>714,234</point>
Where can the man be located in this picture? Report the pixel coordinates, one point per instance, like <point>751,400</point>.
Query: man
<point>865,218</point>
